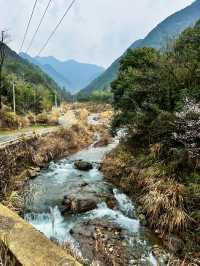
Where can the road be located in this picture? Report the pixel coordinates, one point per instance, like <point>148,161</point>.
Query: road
<point>8,138</point>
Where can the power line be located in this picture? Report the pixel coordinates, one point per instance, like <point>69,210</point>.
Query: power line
<point>57,26</point>
<point>27,28</point>
<point>42,18</point>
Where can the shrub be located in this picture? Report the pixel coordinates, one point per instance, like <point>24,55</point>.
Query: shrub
<point>42,118</point>
<point>9,120</point>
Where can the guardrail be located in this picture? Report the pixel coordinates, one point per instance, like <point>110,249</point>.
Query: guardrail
<point>11,139</point>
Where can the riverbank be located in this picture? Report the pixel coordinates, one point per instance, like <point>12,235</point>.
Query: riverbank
<point>24,159</point>
<point>164,205</point>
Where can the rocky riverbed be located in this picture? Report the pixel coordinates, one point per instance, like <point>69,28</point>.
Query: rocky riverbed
<point>73,204</point>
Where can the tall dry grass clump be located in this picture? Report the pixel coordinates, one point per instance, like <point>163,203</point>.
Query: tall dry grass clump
<point>6,258</point>
<point>9,120</point>
<point>163,201</point>
<point>167,204</point>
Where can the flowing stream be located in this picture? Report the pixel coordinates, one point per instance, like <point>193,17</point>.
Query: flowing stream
<point>44,196</point>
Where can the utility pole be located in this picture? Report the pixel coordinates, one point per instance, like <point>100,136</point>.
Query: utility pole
<point>56,102</point>
<point>2,58</point>
<point>14,101</point>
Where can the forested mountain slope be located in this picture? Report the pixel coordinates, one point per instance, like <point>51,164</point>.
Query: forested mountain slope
<point>33,86</point>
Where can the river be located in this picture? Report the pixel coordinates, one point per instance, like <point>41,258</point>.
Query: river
<point>44,196</point>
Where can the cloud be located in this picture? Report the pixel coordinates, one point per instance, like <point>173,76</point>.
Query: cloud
<point>94,31</point>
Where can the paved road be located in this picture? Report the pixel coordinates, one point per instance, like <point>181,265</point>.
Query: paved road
<point>12,137</point>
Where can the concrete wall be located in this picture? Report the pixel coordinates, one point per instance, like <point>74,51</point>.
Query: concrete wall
<point>30,247</point>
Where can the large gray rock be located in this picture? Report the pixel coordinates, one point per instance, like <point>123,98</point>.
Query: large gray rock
<point>78,205</point>
<point>83,166</point>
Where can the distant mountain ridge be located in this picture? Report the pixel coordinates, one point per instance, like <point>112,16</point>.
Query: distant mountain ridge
<point>69,74</point>
<point>157,38</point>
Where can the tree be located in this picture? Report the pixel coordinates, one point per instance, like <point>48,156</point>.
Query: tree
<point>3,40</point>
<point>153,86</point>
<point>101,96</point>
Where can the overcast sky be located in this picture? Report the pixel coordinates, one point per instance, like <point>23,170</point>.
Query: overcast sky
<point>95,31</point>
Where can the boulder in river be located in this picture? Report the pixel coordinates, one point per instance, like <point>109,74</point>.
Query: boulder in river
<point>77,205</point>
<point>83,205</point>
<point>82,165</point>
<point>106,242</point>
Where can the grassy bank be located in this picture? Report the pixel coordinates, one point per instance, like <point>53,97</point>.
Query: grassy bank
<point>170,207</point>
<point>19,160</point>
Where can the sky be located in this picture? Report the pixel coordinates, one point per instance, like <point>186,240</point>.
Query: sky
<point>94,31</point>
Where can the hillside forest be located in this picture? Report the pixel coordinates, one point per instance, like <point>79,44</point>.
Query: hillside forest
<point>35,91</point>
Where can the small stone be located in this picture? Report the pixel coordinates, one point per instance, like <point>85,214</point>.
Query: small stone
<point>124,244</point>
<point>133,262</point>
<point>142,219</point>
<point>84,184</point>
<point>110,249</point>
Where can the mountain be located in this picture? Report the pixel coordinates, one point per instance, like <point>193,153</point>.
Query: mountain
<point>157,38</point>
<point>30,73</point>
<point>69,74</point>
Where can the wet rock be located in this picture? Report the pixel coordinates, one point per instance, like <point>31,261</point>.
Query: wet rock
<point>124,244</point>
<point>160,254</point>
<point>66,203</point>
<point>78,205</point>
<point>99,167</point>
<point>83,166</point>
<point>142,219</point>
<point>111,202</point>
<point>101,241</point>
<point>84,184</point>
<point>97,263</point>
<point>174,244</point>
<point>33,172</point>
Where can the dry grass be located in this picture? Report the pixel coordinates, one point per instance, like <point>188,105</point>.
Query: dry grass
<point>14,201</point>
<point>82,115</point>
<point>6,259</point>
<point>163,200</point>
<point>174,261</point>
<point>37,152</point>
<point>9,120</point>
